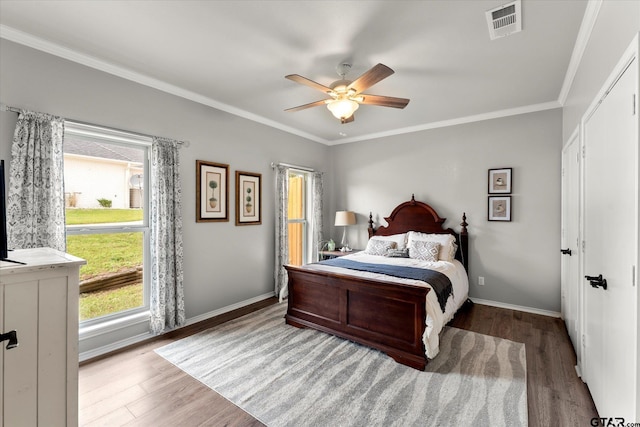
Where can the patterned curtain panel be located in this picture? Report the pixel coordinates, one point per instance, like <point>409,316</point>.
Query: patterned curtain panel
<point>282,231</point>
<point>317,215</point>
<point>35,201</point>
<point>167,294</point>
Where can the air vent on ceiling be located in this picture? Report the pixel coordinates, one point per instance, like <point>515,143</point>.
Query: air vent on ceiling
<point>504,20</point>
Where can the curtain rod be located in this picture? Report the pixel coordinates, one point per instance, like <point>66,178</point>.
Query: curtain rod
<point>304,168</point>
<point>5,107</point>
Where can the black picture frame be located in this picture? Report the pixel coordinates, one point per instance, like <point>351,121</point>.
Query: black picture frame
<point>499,208</point>
<point>500,181</point>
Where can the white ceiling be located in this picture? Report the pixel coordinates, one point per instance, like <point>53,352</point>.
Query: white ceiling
<point>233,55</point>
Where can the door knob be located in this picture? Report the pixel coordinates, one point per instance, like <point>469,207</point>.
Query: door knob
<point>596,281</point>
<point>12,337</point>
<point>566,251</point>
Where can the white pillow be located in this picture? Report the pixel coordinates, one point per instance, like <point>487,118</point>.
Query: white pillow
<point>424,249</point>
<point>379,247</point>
<point>400,239</point>
<point>447,242</point>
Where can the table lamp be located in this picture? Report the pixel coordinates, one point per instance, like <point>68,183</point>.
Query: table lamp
<point>343,219</point>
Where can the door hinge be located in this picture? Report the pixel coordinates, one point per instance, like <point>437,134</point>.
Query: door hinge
<point>583,246</point>
<point>633,276</point>
<point>584,151</point>
<point>634,104</point>
<point>584,341</point>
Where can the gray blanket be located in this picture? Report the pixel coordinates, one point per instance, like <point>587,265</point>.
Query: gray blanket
<point>439,282</point>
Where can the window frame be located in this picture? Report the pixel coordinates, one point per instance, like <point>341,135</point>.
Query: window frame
<point>307,210</point>
<point>125,139</point>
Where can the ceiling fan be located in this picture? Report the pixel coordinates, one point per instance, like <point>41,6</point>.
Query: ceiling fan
<point>346,95</point>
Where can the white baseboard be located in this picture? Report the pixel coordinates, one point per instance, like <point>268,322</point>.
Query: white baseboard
<point>516,307</point>
<point>228,308</point>
<point>579,372</point>
<point>89,354</point>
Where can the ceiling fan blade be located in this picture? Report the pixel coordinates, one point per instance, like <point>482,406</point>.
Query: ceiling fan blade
<point>348,119</point>
<point>307,82</point>
<point>371,77</point>
<point>305,106</point>
<point>385,101</point>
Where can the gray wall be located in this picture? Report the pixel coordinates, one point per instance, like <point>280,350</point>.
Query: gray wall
<point>448,169</point>
<point>617,24</point>
<point>445,167</point>
<point>223,264</point>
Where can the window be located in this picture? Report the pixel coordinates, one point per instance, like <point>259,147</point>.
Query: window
<point>106,174</point>
<point>298,217</point>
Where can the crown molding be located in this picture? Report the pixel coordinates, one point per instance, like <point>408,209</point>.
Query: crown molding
<point>586,27</point>
<point>454,122</point>
<point>43,45</point>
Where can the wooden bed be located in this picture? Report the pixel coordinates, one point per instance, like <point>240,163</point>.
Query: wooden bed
<point>383,315</point>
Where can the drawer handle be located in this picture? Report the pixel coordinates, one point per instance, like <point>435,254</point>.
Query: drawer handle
<point>12,337</point>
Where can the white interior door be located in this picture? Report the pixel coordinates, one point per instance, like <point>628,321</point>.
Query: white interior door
<point>611,236</point>
<point>571,280</point>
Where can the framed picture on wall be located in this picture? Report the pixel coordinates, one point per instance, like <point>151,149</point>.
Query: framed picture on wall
<point>248,198</point>
<point>500,181</point>
<point>499,208</point>
<point>212,192</point>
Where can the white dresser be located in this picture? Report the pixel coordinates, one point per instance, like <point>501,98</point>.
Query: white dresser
<point>39,300</point>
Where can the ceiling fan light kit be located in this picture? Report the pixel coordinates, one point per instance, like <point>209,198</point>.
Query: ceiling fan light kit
<point>342,108</point>
<point>346,96</point>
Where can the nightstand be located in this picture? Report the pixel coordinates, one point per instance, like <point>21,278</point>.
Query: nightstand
<point>335,254</point>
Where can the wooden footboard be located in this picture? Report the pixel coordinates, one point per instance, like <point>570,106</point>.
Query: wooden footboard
<point>383,315</point>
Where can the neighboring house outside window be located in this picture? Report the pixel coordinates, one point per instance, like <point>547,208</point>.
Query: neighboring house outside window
<point>106,174</point>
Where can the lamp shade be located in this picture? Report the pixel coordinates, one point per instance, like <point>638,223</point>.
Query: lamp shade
<point>345,218</point>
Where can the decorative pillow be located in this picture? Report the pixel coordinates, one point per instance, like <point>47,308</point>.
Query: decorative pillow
<point>447,242</point>
<point>400,239</point>
<point>424,250</point>
<point>398,253</point>
<point>379,247</point>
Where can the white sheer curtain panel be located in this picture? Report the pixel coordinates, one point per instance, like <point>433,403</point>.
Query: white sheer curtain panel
<point>282,230</point>
<point>316,223</point>
<point>167,292</point>
<point>35,201</point>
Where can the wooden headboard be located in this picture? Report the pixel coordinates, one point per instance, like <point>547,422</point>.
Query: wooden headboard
<point>419,216</point>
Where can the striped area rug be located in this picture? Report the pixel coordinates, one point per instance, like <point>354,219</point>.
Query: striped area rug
<point>285,376</point>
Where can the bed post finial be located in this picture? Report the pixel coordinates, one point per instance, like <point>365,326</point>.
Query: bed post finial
<point>370,229</point>
<point>464,242</point>
<point>464,223</point>
<point>413,198</point>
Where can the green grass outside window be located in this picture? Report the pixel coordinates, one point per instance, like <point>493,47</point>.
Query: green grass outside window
<point>106,254</point>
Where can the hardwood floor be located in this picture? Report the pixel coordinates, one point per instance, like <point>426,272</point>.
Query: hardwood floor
<point>556,396</point>
<point>136,387</point>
